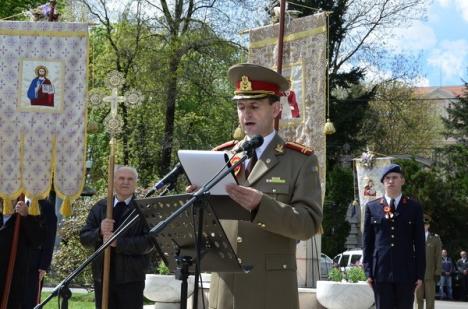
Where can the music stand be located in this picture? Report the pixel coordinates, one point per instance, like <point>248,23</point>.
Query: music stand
<point>178,239</point>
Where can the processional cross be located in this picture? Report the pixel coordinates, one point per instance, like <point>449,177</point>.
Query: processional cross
<point>113,123</point>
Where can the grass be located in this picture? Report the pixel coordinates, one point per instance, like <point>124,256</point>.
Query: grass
<point>77,301</point>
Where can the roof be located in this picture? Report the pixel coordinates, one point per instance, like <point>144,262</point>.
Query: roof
<point>446,92</point>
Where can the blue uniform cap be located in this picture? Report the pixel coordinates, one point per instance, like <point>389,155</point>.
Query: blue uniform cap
<point>392,168</point>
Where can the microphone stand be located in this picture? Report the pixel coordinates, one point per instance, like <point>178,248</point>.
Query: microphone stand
<point>196,199</point>
<point>197,196</point>
<point>62,288</point>
<point>64,284</point>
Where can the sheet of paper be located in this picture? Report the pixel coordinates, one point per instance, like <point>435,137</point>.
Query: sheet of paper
<point>202,165</point>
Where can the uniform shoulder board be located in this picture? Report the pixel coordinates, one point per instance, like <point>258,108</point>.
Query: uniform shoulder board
<point>226,145</point>
<point>300,148</point>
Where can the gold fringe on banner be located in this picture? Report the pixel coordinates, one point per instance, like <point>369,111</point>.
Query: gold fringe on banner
<point>34,207</point>
<point>66,209</point>
<point>8,208</point>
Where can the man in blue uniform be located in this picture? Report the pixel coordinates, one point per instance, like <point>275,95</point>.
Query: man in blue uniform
<point>394,244</point>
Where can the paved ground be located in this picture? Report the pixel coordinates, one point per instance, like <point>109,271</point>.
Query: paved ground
<point>442,304</point>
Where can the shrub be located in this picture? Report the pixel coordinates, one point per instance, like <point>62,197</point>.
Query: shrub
<point>335,274</point>
<point>355,274</point>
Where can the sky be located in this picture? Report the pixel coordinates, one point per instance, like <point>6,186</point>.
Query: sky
<point>442,40</point>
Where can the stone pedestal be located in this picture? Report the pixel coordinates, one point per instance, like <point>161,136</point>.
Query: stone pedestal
<point>344,295</point>
<point>164,290</point>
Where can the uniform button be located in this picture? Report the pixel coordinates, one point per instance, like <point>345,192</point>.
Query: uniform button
<point>393,227</point>
<point>392,245</point>
<point>264,225</point>
<point>239,260</point>
<point>393,236</point>
<point>239,239</point>
<point>285,266</point>
<point>259,224</point>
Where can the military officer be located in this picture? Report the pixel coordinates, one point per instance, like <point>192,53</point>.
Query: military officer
<point>433,267</point>
<point>280,187</point>
<point>393,239</point>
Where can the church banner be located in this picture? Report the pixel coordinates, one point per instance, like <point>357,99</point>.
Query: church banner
<point>43,95</point>
<point>304,105</point>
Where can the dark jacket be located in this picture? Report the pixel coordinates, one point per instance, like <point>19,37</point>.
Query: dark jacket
<point>129,259</point>
<point>394,248</point>
<point>31,235</point>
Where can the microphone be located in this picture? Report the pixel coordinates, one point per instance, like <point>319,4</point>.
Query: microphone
<point>169,178</point>
<point>250,145</point>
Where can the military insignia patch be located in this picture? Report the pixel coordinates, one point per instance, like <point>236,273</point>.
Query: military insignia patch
<point>276,180</point>
<point>279,148</point>
<point>233,161</point>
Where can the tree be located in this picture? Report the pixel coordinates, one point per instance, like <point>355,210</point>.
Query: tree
<point>358,33</point>
<point>338,197</point>
<point>400,123</point>
<point>14,7</point>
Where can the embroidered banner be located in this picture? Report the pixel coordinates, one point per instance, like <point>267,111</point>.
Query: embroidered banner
<point>43,92</point>
<point>303,106</point>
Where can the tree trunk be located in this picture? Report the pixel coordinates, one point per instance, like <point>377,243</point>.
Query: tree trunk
<point>171,95</point>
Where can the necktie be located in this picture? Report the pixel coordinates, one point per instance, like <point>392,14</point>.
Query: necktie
<point>118,211</point>
<point>251,164</point>
<point>392,205</point>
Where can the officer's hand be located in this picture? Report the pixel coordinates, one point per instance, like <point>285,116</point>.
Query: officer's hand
<point>191,188</point>
<point>107,226</point>
<point>21,208</point>
<point>418,284</point>
<point>370,282</point>
<point>249,198</point>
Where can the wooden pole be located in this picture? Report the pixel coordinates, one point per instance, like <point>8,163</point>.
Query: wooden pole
<point>109,209</point>
<point>12,259</point>
<point>279,59</point>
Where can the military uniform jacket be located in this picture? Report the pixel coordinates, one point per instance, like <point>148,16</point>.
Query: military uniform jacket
<point>289,211</point>
<point>394,248</point>
<point>433,256</point>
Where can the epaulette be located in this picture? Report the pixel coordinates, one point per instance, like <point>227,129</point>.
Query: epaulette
<point>229,144</point>
<point>300,148</point>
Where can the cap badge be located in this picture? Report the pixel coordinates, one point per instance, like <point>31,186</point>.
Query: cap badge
<point>245,84</point>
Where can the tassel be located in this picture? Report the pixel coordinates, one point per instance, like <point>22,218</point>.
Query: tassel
<point>66,210</point>
<point>329,128</point>
<point>34,207</point>
<point>239,134</point>
<point>8,208</point>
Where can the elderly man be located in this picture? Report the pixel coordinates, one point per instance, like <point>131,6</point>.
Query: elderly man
<point>280,187</point>
<point>129,258</point>
<point>394,251</point>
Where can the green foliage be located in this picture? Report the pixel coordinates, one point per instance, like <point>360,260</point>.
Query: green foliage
<point>12,7</point>
<point>355,274</point>
<point>398,122</point>
<point>71,253</point>
<point>163,269</point>
<point>456,124</point>
<point>338,196</point>
<point>335,274</point>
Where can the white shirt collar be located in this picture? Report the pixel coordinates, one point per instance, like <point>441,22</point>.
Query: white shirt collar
<point>266,141</point>
<point>397,200</point>
<point>127,201</point>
